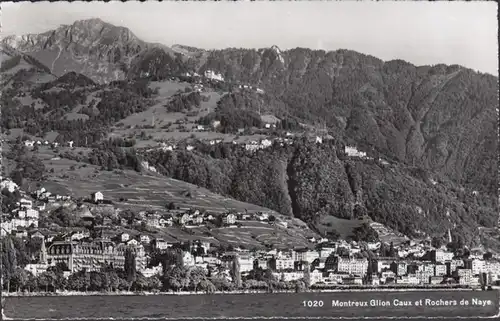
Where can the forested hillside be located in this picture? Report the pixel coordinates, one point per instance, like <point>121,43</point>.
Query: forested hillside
<point>314,181</point>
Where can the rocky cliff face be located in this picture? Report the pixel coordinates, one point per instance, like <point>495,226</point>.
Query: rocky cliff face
<point>91,47</point>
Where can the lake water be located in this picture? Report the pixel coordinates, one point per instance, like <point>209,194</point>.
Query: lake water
<point>378,304</point>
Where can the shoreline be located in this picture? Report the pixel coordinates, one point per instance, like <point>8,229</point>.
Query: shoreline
<point>148,293</point>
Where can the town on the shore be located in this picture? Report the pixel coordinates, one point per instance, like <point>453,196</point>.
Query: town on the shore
<point>97,256</point>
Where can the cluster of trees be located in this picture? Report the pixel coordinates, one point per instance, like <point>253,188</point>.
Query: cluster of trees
<point>231,121</point>
<point>70,80</point>
<point>119,101</point>
<point>115,158</point>
<point>28,165</point>
<point>53,279</point>
<point>365,233</point>
<point>9,200</point>
<point>184,102</point>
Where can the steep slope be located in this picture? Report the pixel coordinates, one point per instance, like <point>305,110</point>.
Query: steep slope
<point>441,117</point>
<point>91,47</point>
<point>314,182</point>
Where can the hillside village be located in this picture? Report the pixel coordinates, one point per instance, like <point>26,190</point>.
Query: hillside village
<point>95,245</point>
<point>61,241</point>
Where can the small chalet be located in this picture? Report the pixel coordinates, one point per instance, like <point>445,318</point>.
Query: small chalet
<point>97,197</point>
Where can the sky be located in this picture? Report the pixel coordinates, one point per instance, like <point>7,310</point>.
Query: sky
<point>420,32</point>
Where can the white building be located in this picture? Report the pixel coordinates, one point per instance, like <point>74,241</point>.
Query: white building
<point>152,271</point>
<point>229,219</point>
<point>188,259</point>
<point>124,237</point>
<point>316,276</point>
<point>97,197</point>
<point>353,152</point>
<point>289,276</point>
<point>478,266</point>
<point>408,279</point>
<point>352,266</point>
<point>443,256</point>
<point>464,276</point>
<point>285,263</point>
<point>440,270</point>
<point>246,263</point>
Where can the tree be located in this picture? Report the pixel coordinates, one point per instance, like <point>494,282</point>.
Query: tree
<point>437,242</point>
<point>365,233</point>
<point>383,249</point>
<point>20,278</point>
<point>9,260</point>
<point>392,251</point>
<point>487,256</point>
<point>178,278</point>
<point>154,283</point>
<point>141,283</point>
<point>207,286</point>
<point>196,276</point>
<point>307,275</point>
<point>235,272</point>
<point>130,266</point>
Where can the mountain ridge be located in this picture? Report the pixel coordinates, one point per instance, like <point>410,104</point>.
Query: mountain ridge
<point>439,120</point>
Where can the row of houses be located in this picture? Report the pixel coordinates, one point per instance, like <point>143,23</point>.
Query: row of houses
<point>33,143</point>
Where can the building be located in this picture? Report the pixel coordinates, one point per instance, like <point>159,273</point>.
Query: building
<point>316,276</point>
<point>441,256</point>
<point>145,238</point>
<point>451,266</point>
<point>160,244</point>
<point>464,276</point>
<point>229,219</point>
<point>284,264</point>
<point>97,197</point>
<point>352,266</point>
<point>410,279</point>
<point>477,266</point>
<point>124,237</point>
<point>440,270</point>
<point>92,256</point>
<point>289,276</point>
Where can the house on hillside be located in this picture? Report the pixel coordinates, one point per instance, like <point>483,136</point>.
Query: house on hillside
<point>160,244</point>
<point>184,219</point>
<point>97,197</point>
<point>124,237</point>
<point>166,222</point>
<point>229,219</point>
<point>29,143</point>
<point>145,238</point>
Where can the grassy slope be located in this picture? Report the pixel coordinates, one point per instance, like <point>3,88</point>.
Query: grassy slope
<point>152,191</point>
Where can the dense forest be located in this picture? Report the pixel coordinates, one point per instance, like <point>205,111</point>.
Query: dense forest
<point>313,181</point>
<point>118,101</point>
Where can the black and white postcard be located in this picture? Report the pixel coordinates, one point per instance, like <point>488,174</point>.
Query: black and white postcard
<point>249,159</point>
